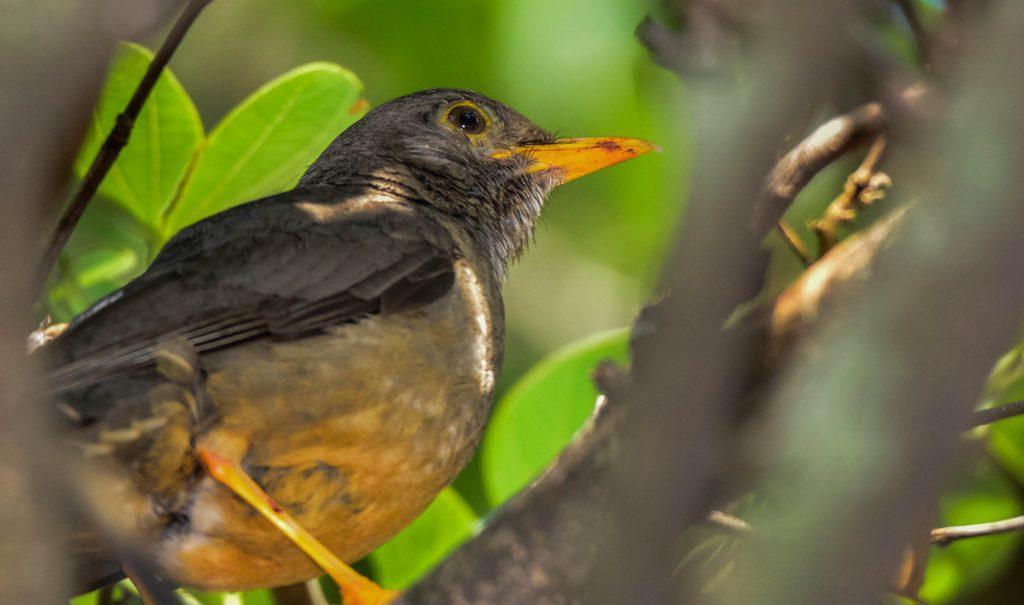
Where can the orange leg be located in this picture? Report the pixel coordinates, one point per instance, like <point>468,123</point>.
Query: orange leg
<point>356,589</point>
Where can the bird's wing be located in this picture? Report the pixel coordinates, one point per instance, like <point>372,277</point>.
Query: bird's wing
<point>284,267</point>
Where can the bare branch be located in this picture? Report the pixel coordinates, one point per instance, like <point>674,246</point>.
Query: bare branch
<point>946,535</point>
<point>710,32</point>
<point>864,434</point>
<point>941,536</point>
<point>793,241</point>
<point>114,143</point>
<point>865,186</point>
<point>544,545</point>
<point>828,282</point>
<point>730,523</point>
<point>922,40</point>
<point>825,145</point>
<point>997,413</point>
<point>691,384</point>
<point>51,60</point>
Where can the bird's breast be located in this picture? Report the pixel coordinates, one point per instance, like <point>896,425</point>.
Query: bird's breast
<point>354,432</point>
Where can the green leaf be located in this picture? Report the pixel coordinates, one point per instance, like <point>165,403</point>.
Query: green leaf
<point>150,168</point>
<point>89,598</point>
<point>108,248</point>
<point>122,592</point>
<point>446,523</point>
<point>265,144</point>
<point>965,566</point>
<point>1006,437</point>
<point>541,413</point>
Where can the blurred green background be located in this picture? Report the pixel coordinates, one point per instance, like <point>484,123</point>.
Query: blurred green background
<point>574,67</point>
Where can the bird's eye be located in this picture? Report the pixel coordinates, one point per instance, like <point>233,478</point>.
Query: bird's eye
<point>468,119</point>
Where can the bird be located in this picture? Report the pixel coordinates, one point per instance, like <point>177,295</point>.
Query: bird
<point>326,356</point>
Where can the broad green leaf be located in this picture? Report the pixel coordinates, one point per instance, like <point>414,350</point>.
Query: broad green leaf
<point>541,413</point>
<point>150,168</point>
<point>264,145</point>
<point>446,523</point>
<point>966,566</point>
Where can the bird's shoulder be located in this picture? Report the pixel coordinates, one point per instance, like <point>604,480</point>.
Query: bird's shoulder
<point>281,267</point>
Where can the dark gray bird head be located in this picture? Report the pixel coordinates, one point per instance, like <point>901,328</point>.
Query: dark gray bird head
<point>470,157</point>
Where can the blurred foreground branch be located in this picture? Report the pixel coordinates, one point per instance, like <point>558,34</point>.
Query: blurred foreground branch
<point>864,430</point>
<point>566,539</point>
<point>52,56</point>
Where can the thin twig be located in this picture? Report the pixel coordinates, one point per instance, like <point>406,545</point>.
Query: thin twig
<point>728,522</point>
<point>114,143</point>
<point>997,413</point>
<point>864,186</point>
<point>793,241</point>
<point>829,142</point>
<point>941,535</point>
<point>921,38</point>
<point>945,535</point>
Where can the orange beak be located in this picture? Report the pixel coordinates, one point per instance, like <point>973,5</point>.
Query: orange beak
<point>574,158</point>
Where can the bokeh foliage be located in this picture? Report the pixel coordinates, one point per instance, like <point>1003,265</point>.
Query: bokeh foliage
<point>574,67</point>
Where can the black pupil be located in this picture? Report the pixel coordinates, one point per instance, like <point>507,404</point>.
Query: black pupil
<point>467,119</point>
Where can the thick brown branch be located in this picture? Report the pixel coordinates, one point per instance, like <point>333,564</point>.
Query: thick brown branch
<point>114,143</point>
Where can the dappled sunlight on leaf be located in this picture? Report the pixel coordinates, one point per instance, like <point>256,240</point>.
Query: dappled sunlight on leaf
<point>265,144</point>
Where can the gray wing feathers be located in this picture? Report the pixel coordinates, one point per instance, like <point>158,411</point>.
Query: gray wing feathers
<point>266,269</point>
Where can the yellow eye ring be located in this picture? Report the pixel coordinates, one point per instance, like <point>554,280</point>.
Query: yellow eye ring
<point>466,117</point>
